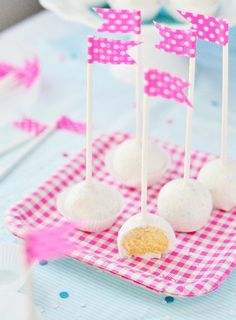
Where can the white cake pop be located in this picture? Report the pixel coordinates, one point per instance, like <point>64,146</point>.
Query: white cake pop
<point>93,206</point>
<point>147,239</point>
<point>207,7</point>
<point>124,162</point>
<point>220,179</point>
<point>186,205</point>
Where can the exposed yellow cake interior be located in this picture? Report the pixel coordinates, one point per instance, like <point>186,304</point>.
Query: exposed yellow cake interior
<point>145,240</point>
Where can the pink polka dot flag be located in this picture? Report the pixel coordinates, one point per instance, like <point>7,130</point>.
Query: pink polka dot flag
<point>25,75</point>
<point>103,50</point>
<point>120,21</point>
<point>208,28</point>
<point>65,123</point>
<point>34,127</point>
<point>164,85</point>
<point>30,126</point>
<point>49,243</point>
<point>180,42</point>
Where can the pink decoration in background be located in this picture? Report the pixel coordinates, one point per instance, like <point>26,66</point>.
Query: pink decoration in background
<point>5,69</point>
<point>208,28</point>
<point>30,126</point>
<point>165,85</point>
<point>66,123</point>
<point>180,42</point>
<point>29,72</point>
<point>103,50</point>
<point>26,75</point>
<point>120,21</point>
<point>49,243</point>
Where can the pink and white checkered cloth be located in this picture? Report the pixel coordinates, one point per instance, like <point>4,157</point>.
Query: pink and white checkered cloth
<point>201,261</point>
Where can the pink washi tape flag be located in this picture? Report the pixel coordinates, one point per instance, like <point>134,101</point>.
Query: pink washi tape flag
<point>208,28</point>
<point>180,42</point>
<point>5,69</point>
<point>49,243</point>
<point>68,124</point>
<point>26,75</point>
<point>103,50</point>
<point>165,85</point>
<point>30,126</point>
<point>120,21</point>
<point>29,73</point>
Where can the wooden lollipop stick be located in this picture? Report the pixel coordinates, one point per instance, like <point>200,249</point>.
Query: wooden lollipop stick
<point>225,96</point>
<point>138,84</point>
<point>89,128</point>
<point>189,123</point>
<point>15,145</point>
<point>144,157</point>
<point>27,150</point>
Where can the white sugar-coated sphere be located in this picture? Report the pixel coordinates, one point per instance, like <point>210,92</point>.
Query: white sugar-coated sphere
<point>149,8</point>
<point>124,162</point>
<point>220,179</point>
<point>150,221</point>
<point>92,206</point>
<point>207,7</point>
<point>186,205</point>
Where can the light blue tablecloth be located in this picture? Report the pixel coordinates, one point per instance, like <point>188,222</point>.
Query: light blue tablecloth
<point>89,293</point>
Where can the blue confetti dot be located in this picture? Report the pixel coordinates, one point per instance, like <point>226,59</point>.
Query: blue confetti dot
<point>215,103</point>
<point>64,295</point>
<point>169,299</point>
<point>43,263</point>
<point>73,55</point>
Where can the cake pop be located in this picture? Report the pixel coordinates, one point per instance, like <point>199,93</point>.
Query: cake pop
<point>220,179</point>
<point>186,205</point>
<point>145,235</point>
<point>93,206</point>
<point>124,162</point>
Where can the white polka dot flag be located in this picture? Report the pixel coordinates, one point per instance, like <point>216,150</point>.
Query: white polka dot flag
<point>165,85</point>
<point>180,42</point>
<point>109,51</point>
<point>49,243</point>
<point>120,21</point>
<point>208,28</point>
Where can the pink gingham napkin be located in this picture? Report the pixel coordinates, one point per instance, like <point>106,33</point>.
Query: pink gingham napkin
<point>201,261</point>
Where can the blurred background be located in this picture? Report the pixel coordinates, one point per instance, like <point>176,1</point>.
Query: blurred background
<point>14,11</point>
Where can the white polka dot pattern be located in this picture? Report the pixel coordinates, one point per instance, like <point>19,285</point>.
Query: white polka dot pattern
<point>180,42</point>
<point>109,51</point>
<point>165,85</point>
<point>120,21</point>
<point>208,28</point>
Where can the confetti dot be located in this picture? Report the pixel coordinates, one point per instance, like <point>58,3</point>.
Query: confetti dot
<point>65,155</point>
<point>43,263</point>
<point>169,121</point>
<point>64,295</point>
<point>169,299</point>
<point>215,103</point>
